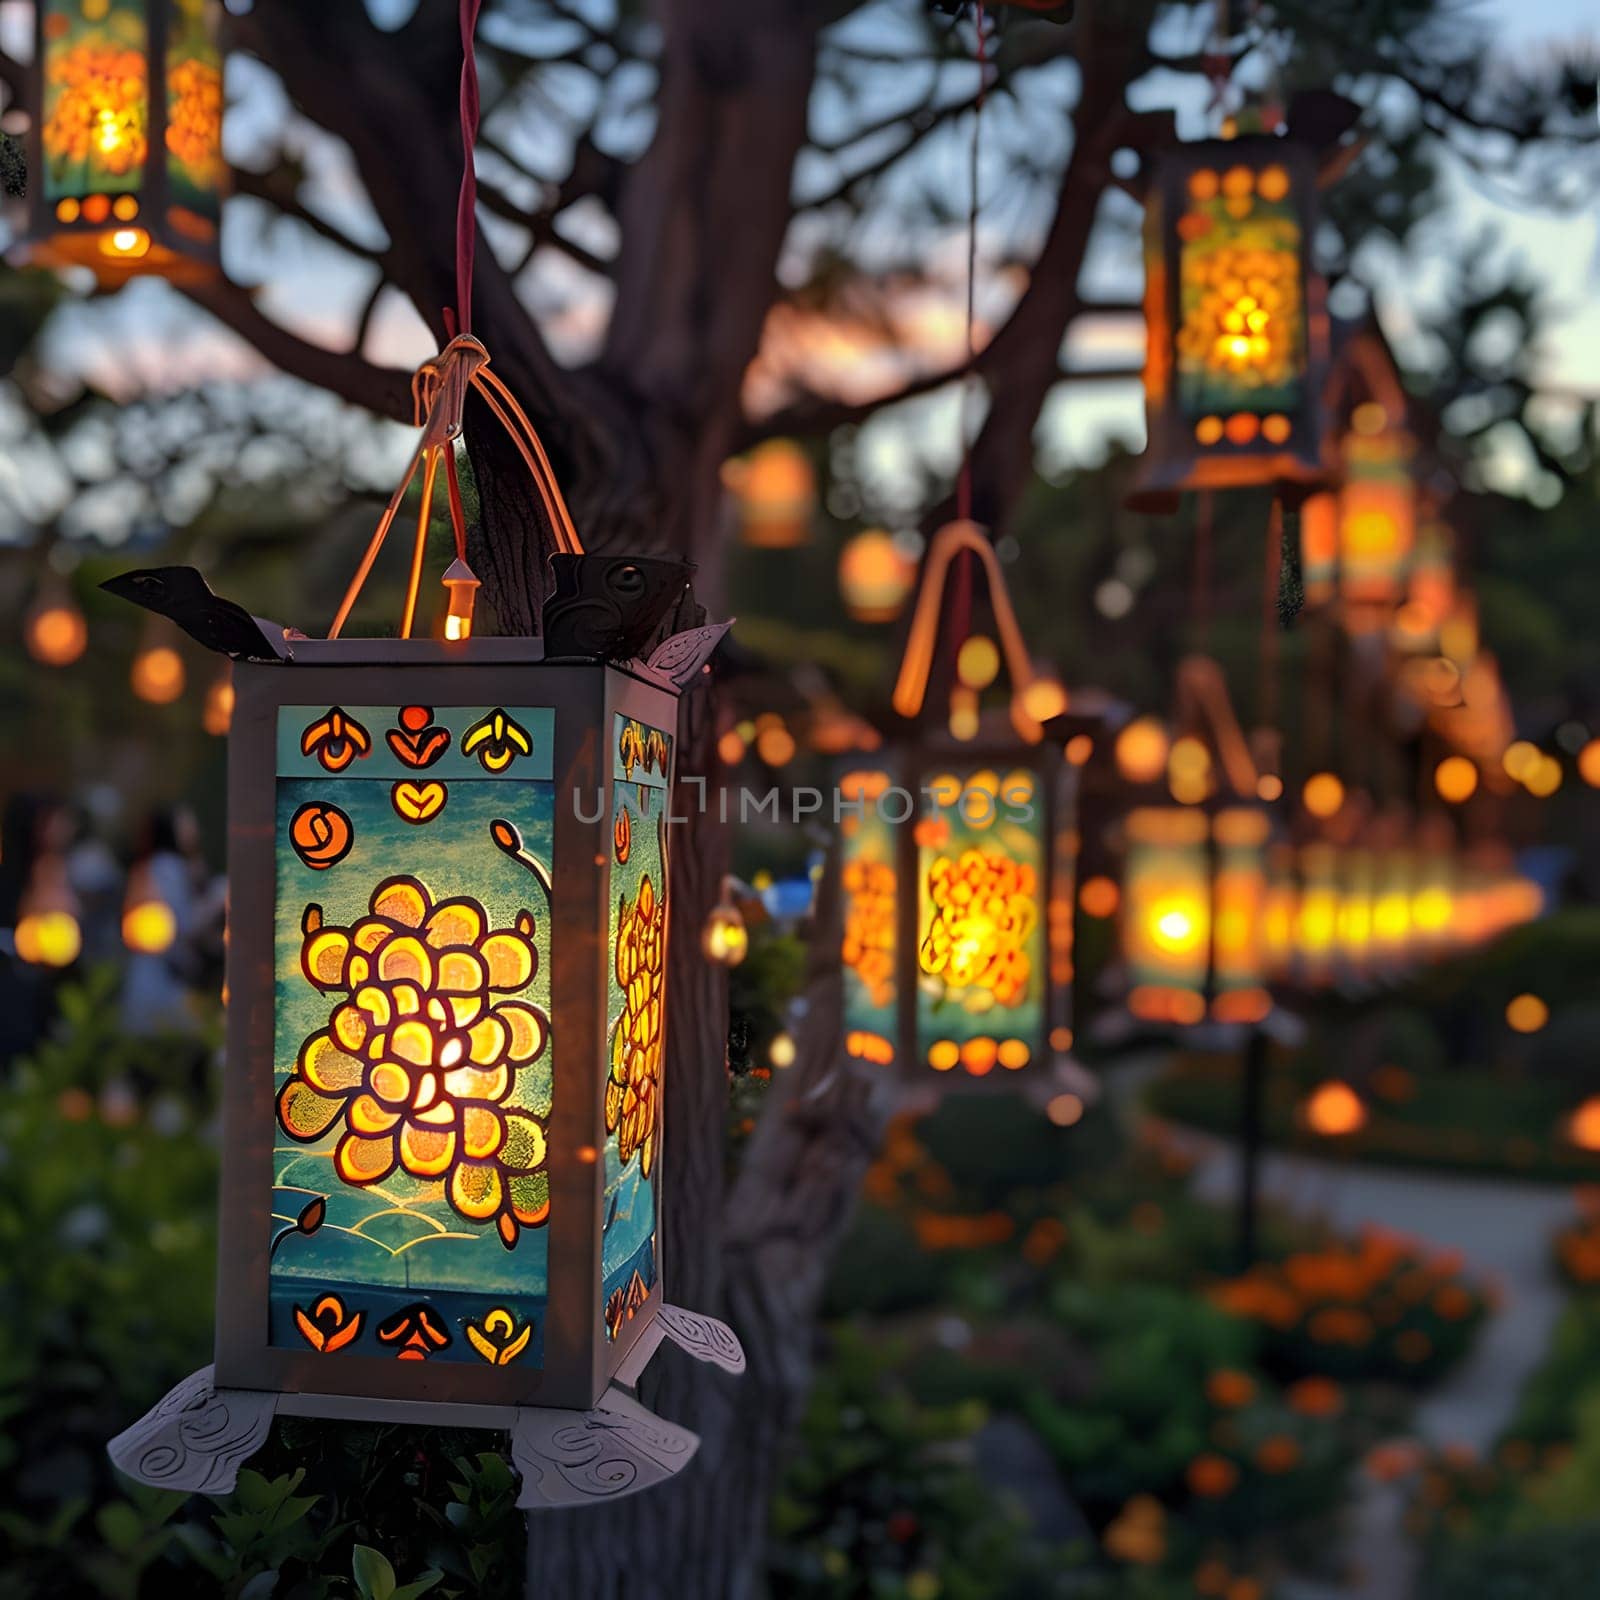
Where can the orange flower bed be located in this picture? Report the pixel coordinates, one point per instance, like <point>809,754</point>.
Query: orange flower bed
<point>1378,1307</point>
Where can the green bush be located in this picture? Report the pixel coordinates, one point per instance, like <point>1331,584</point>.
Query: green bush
<point>1550,1564</point>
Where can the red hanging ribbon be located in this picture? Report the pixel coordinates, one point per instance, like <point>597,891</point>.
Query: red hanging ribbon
<point>467,204</point>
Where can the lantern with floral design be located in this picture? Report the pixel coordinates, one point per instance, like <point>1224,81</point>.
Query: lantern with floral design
<point>127,137</point>
<point>449,915</point>
<point>1236,330</point>
<point>959,852</point>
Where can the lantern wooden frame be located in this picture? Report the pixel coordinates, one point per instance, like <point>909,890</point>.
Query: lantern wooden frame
<point>1241,442</point>
<point>82,227</point>
<point>577,1433</point>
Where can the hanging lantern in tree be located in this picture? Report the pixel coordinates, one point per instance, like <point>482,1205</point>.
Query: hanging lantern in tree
<point>959,850</point>
<point>47,933</point>
<point>876,576</point>
<point>127,138</point>
<point>450,898</point>
<point>775,487</point>
<point>54,630</point>
<point>149,925</point>
<point>1236,329</point>
<point>1357,538</point>
<point>1194,897</point>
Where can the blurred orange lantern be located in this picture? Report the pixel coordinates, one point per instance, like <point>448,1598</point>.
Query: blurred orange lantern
<point>1141,750</point>
<point>1236,330</point>
<point>1193,905</point>
<point>725,939</point>
<point>126,138</point>
<point>47,932</point>
<point>1526,1013</point>
<point>1334,1110</point>
<point>1322,795</point>
<point>217,715</point>
<point>149,926</point>
<point>1583,1127</point>
<point>55,630</point>
<point>776,488</point>
<point>1455,779</point>
<point>157,674</point>
<point>959,851</point>
<point>876,576</point>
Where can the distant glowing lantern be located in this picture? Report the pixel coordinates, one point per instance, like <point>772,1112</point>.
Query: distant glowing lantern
<point>450,905</point>
<point>1377,516</point>
<point>725,939</point>
<point>1526,1013</point>
<point>876,576</point>
<point>1589,763</point>
<point>1236,330</point>
<point>216,717</point>
<point>958,856</point>
<point>1583,1127</point>
<point>776,490</point>
<point>1520,758</point>
<point>782,1052</point>
<point>1099,897</point>
<point>1543,778</point>
<point>1455,779</point>
<point>1189,770</point>
<point>1141,750</point>
<point>157,675</point>
<point>1334,1110</point>
<point>1193,915</point>
<point>149,925</point>
<point>47,932</point>
<point>1322,795</point>
<point>126,138</point>
<point>55,630</point>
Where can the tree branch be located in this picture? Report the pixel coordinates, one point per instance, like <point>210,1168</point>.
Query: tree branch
<point>385,390</point>
<point>273,188</point>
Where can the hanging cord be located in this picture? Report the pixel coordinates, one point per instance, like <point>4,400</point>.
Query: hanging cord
<point>1200,577</point>
<point>1271,616</point>
<point>438,399</point>
<point>467,201</point>
<point>964,480</point>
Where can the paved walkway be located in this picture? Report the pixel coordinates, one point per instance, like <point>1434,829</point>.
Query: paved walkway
<point>1503,1230</point>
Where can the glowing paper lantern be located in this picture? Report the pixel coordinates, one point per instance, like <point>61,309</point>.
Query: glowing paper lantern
<point>876,576</point>
<point>1377,517</point>
<point>725,939</point>
<point>1334,1110</point>
<point>55,630</point>
<point>1237,334</point>
<point>776,489</point>
<point>958,859</point>
<point>450,899</point>
<point>1193,912</point>
<point>157,675</point>
<point>1141,750</point>
<point>127,138</point>
<point>149,926</point>
<point>47,932</point>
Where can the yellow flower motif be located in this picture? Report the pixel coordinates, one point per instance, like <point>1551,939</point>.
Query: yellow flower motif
<point>419,1057</point>
<point>984,909</point>
<point>497,741</point>
<point>633,1093</point>
<point>498,1339</point>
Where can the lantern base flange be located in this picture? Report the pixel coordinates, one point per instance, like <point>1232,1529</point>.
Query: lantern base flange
<point>197,1436</point>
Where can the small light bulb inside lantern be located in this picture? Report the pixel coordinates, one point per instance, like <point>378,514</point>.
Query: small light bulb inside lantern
<point>461,583</point>
<point>127,243</point>
<point>725,939</point>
